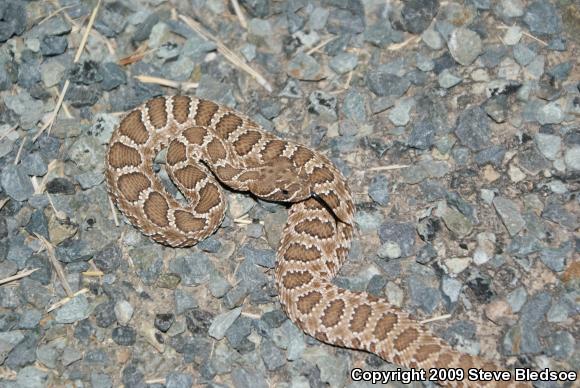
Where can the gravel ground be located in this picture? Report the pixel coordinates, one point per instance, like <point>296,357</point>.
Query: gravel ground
<point>456,123</point>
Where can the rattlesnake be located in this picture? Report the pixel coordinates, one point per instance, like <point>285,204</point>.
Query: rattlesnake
<point>206,140</point>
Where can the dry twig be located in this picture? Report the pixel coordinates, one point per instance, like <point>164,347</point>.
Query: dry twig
<point>239,14</point>
<point>77,57</point>
<point>55,263</point>
<point>439,318</point>
<point>387,168</point>
<point>18,276</point>
<point>67,299</point>
<point>235,59</point>
<point>147,79</point>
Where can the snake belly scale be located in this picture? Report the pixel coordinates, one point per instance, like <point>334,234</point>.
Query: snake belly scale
<point>209,145</point>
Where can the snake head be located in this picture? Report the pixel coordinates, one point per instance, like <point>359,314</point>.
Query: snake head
<point>279,181</point>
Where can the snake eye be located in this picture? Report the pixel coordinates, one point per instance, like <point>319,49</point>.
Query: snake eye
<point>285,192</point>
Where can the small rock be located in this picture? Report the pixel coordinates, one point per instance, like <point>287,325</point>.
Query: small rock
<point>53,45</point>
<point>473,128</point>
<point>451,288</point>
<point>523,54</point>
<point>517,298</point>
<point>304,67</point>
<point>499,311</point>
<point>382,83</point>
<point>323,105</point>
<point>416,15</point>
<point>222,323</point>
<point>403,234</point>
<point>510,8</point>
<point>164,321</point>
<point>515,174</point>
<point>496,107</point>
<point>422,135</point>
<point>448,80</point>
<point>512,35</point>
<point>551,113</point>
<point>124,335</point>
<point>343,62</point>
<point>399,115</point>
<point>509,214</point>
<point>456,265</point>
<point>379,190</point>
<point>572,158</point>
<point>31,377</point>
<point>457,222</point>
<point>543,18</point>
<point>389,250</point>
<point>77,309</point>
<point>432,39</point>
<point>123,312</point>
<point>485,248</point>
<point>272,356</point>
<point>561,345</point>
<point>557,313</point>
<point>464,45</point>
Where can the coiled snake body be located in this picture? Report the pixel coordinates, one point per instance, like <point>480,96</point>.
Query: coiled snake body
<point>206,141</point>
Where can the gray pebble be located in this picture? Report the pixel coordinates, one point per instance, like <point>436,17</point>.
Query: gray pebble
<point>123,312</point>
<point>432,38</point>
<point>343,62</point>
<point>421,295</point>
<point>323,105</point>
<point>556,212</point>
<point>29,319</point>
<point>291,89</point>
<point>543,18</point>
<point>559,312</point>
<point>194,269</point>
<point>379,190</point>
<point>523,54</point>
<point>183,301</point>
<point>551,113</point>
<point>416,15</point>
<point>383,83</point>
<point>243,378</point>
<point>399,115</point>
<point>473,128</point>
<point>448,80</point>
<point>273,357</point>
<point>493,155</point>
<point>451,288</point>
<point>75,310</point>
<point>24,353</point>
<point>561,345</point>
<point>509,214</point>
<point>53,45</point>
<point>178,380</point>
<point>517,298</point>
<point>101,380</point>
<point>31,377</point>
<point>572,158</point>
<point>304,67</point>
<point>496,107</point>
<point>508,9</point>
<point>464,45</point>
<point>70,355</point>
<point>555,258</point>
<point>422,135</point>
<point>221,323</point>
<point>402,234</point>
<point>354,106</point>
<point>124,335</point>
